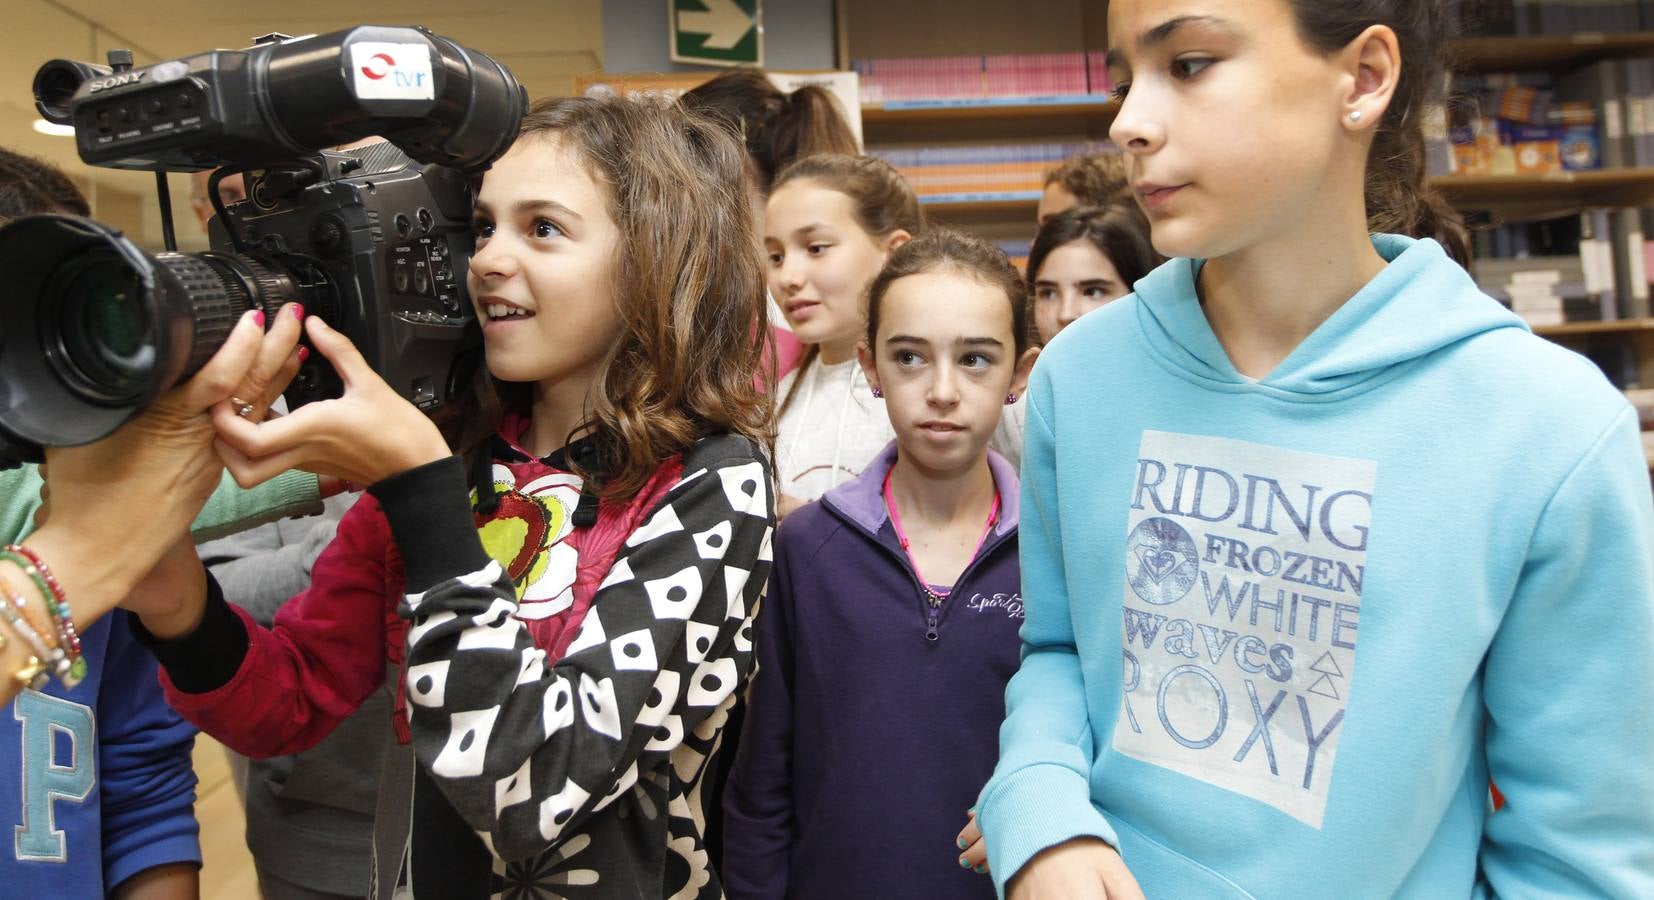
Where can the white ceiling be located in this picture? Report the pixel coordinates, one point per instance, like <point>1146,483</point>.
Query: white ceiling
<point>544,42</point>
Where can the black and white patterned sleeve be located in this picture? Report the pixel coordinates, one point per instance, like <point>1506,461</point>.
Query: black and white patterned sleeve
<point>527,748</point>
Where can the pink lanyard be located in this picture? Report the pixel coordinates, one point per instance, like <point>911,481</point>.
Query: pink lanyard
<point>936,596</point>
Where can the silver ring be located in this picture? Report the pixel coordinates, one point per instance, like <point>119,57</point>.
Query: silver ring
<point>243,409</point>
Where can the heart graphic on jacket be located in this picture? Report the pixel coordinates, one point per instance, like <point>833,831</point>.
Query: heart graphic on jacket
<point>1160,563</point>
<point>517,533</point>
<point>527,537</point>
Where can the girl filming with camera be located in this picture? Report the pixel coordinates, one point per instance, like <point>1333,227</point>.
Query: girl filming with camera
<point>577,582</point>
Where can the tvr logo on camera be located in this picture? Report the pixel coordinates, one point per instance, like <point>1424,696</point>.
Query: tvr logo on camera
<point>386,71</point>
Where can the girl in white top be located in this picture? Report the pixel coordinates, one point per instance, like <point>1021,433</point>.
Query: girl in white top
<point>830,222</point>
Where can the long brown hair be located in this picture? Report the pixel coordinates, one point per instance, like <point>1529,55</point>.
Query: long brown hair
<point>949,250</point>
<point>881,201</point>
<point>1398,199</point>
<point>777,127</point>
<point>688,290</point>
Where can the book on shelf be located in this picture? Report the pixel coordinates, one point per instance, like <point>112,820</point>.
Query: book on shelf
<point>1629,249</point>
<point>1037,77</point>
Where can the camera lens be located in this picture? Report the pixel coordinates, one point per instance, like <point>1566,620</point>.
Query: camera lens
<point>101,329</point>
<point>93,329</point>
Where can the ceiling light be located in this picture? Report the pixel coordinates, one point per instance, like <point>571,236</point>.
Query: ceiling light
<point>45,127</point>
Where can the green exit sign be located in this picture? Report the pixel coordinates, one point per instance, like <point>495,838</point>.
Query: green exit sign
<point>717,32</point>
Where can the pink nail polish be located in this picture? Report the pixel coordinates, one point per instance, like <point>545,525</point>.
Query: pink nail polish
<point>258,317</point>
<point>298,311</point>
<point>304,354</point>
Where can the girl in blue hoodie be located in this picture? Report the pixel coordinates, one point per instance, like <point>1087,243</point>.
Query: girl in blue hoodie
<point>1319,537</point>
<point>890,626</point>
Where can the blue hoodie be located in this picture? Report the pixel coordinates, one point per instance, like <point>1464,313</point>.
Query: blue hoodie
<point>1281,633</point>
<point>872,720</point>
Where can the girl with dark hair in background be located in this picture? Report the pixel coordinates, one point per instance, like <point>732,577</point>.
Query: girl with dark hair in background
<point>1084,258</point>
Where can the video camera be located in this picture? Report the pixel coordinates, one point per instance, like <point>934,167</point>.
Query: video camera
<point>375,240</point>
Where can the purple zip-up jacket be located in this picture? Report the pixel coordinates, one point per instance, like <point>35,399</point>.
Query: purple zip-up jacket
<point>873,720</point>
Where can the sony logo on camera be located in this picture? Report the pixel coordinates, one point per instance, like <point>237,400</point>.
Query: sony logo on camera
<point>381,70</point>
<point>104,84</point>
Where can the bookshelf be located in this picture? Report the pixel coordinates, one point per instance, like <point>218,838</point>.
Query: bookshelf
<point>1472,55</point>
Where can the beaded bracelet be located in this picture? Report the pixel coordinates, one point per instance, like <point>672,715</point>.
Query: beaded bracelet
<point>20,606</point>
<point>35,674</point>
<point>56,602</point>
<point>46,648</point>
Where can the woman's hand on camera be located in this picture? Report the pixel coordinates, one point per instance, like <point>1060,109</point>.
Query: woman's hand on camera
<point>365,436</point>
<point>1080,869</point>
<point>159,467</point>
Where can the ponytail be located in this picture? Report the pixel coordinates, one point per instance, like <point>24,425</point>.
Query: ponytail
<point>1398,198</point>
<point>811,123</point>
<point>1400,201</point>
<point>777,128</point>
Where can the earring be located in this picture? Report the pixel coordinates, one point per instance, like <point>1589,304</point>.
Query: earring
<point>1355,115</point>
<point>1010,399</point>
<point>878,394</point>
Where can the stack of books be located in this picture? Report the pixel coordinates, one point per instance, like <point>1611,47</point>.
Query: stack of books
<point>1569,269</point>
<point>1541,295</point>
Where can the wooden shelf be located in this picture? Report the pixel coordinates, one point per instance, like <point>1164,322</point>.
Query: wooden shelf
<point>1021,203</point>
<point>1507,54</point>
<point>1100,109</point>
<point>1585,329</point>
<point>1557,193</point>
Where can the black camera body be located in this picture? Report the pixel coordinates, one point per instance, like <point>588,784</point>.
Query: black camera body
<point>287,97</point>
<point>375,240</point>
<point>393,240</point>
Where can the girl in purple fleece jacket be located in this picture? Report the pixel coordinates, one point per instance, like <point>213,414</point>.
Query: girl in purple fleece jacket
<point>890,627</point>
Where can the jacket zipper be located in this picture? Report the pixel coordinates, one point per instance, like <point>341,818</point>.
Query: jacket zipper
<point>931,634</point>
<point>935,610</point>
<point>933,614</point>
